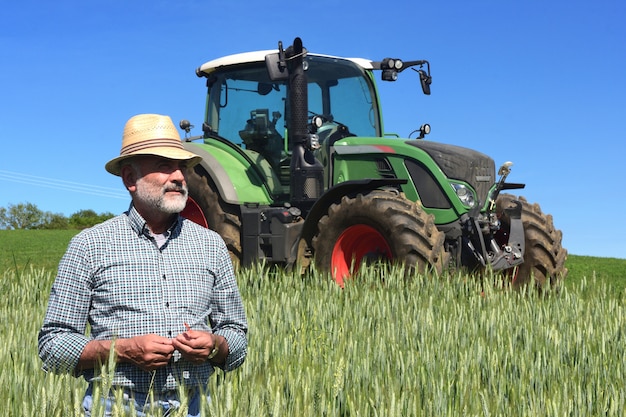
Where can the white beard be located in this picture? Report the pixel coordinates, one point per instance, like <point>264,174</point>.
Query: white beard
<point>155,196</point>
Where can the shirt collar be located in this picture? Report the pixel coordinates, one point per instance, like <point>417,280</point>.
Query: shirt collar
<point>138,224</point>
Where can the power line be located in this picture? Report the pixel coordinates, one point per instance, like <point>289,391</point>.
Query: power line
<point>63,185</point>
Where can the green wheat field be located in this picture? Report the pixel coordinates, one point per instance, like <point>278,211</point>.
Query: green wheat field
<point>382,346</point>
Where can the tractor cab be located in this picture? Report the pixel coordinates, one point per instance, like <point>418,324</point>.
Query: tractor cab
<point>248,109</point>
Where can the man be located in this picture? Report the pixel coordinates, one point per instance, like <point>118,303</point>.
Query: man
<point>157,290</point>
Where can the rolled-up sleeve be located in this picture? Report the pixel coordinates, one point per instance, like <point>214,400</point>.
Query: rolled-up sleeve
<point>62,336</point>
<point>228,318</point>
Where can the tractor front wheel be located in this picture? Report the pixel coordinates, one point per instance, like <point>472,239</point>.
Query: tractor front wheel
<point>380,225</point>
<point>544,257</point>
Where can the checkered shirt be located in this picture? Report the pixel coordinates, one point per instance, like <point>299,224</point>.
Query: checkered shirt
<point>115,278</point>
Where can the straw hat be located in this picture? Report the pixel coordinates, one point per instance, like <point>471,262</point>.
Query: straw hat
<point>151,134</point>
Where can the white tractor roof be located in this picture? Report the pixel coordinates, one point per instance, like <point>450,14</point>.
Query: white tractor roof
<point>259,56</point>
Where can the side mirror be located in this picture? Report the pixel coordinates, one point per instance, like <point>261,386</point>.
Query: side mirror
<point>425,80</point>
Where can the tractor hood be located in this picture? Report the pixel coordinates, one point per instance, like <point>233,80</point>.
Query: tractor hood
<point>456,162</point>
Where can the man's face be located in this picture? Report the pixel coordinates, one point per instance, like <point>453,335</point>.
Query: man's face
<point>160,184</point>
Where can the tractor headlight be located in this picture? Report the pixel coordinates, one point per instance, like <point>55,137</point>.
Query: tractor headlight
<point>466,195</point>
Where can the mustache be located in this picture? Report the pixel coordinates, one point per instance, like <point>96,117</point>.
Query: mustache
<point>181,188</point>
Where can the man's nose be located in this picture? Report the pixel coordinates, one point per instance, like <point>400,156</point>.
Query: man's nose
<point>178,175</point>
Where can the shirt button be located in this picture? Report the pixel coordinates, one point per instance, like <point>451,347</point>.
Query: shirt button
<point>164,277</point>
<point>167,304</point>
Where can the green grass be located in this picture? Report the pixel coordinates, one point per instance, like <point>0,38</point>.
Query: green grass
<point>610,271</point>
<point>41,248</point>
<point>430,346</point>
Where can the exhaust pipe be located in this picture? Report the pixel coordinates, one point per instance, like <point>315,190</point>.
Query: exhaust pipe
<point>307,173</point>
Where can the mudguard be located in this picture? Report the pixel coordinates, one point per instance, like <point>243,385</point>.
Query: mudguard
<point>237,177</point>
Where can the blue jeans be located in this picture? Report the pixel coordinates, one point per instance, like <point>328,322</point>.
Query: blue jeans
<point>143,404</point>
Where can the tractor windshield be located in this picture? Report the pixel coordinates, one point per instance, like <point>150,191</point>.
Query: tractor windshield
<point>248,109</point>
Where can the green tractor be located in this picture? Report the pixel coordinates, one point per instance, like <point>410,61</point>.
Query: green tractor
<point>297,168</point>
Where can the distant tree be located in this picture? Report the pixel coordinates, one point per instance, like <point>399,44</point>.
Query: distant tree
<point>28,216</point>
<point>87,218</point>
<point>22,216</point>
<point>106,216</point>
<point>56,221</point>
<point>82,219</point>
<point>4,222</point>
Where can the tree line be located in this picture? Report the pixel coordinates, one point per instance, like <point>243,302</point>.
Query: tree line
<point>29,216</point>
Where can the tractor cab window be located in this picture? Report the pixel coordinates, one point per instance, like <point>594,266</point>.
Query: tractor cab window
<point>249,110</point>
<point>341,93</point>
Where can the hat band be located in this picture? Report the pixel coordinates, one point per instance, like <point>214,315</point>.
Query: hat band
<point>151,143</point>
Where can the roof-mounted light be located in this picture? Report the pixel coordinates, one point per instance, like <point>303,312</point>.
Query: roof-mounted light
<point>390,67</point>
<point>391,63</point>
<point>390,75</point>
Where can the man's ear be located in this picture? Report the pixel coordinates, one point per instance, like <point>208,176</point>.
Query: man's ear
<point>129,177</point>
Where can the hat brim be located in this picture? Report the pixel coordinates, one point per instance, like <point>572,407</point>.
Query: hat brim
<point>114,166</point>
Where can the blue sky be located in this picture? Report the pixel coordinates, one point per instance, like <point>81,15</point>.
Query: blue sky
<point>540,83</point>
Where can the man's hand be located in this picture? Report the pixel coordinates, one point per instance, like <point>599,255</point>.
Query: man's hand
<point>196,345</point>
<point>148,352</point>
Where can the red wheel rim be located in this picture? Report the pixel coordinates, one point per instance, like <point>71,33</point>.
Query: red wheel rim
<point>355,243</point>
<point>193,212</point>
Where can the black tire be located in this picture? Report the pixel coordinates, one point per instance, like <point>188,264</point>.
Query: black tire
<point>221,217</point>
<point>544,255</point>
<point>384,224</point>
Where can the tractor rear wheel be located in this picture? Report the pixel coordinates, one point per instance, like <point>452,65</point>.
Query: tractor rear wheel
<point>206,208</point>
<point>378,225</point>
<point>544,257</point>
